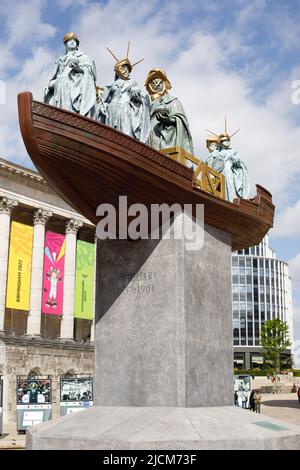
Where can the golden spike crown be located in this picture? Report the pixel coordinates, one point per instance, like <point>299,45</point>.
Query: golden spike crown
<point>224,136</point>
<point>159,73</point>
<point>212,138</point>
<point>120,62</point>
<point>71,35</point>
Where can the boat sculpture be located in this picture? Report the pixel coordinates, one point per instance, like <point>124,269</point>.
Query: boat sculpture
<point>89,163</point>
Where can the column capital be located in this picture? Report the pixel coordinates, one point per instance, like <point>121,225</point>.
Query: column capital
<point>40,216</point>
<point>72,226</point>
<point>7,205</point>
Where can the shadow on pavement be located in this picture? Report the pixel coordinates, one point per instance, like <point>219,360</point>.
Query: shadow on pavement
<point>282,403</point>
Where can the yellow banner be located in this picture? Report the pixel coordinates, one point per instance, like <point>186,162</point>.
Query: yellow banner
<point>19,266</point>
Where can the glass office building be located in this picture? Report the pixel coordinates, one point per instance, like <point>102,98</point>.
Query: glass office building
<point>261,290</point>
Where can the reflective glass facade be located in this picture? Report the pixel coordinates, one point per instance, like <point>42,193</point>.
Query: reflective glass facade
<point>261,290</point>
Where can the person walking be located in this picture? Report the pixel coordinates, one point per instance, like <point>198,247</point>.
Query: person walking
<point>236,399</point>
<point>252,401</point>
<point>257,397</point>
<point>298,395</point>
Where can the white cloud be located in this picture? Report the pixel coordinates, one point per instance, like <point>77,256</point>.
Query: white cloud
<point>25,29</point>
<point>253,11</point>
<point>287,223</point>
<point>24,23</point>
<point>64,4</point>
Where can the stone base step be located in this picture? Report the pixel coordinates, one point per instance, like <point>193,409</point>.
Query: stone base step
<point>167,428</point>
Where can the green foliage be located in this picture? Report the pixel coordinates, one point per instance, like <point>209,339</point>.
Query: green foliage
<point>255,372</point>
<point>274,339</point>
<point>296,373</point>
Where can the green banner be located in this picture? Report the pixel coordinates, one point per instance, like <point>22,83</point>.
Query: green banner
<point>84,285</point>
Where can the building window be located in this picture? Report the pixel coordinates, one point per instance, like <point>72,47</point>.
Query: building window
<point>82,330</point>
<point>257,361</point>
<point>15,322</point>
<point>50,326</point>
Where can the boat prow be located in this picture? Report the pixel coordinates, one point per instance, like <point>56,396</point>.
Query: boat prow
<point>89,163</point>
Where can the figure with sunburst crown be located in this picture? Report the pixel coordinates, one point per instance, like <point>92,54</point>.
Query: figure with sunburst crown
<point>226,160</point>
<point>126,109</point>
<point>72,85</point>
<point>169,125</point>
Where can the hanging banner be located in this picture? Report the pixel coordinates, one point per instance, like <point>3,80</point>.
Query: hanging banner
<point>19,266</point>
<point>84,285</point>
<point>54,260</point>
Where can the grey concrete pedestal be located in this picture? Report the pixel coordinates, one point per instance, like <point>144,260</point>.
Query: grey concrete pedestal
<point>164,323</point>
<point>163,356</point>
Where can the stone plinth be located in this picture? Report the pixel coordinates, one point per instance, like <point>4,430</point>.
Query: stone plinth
<point>164,323</point>
<point>135,428</point>
<point>163,356</point>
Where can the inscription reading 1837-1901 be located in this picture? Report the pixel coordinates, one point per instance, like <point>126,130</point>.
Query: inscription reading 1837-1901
<point>134,284</point>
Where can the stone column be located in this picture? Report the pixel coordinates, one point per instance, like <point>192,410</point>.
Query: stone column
<point>67,323</point>
<point>92,339</point>
<point>6,206</point>
<point>40,218</point>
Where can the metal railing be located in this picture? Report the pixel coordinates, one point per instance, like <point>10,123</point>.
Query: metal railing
<point>204,178</point>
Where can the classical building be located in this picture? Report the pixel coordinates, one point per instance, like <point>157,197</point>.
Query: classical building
<point>38,344</point>
<point>261,290</point>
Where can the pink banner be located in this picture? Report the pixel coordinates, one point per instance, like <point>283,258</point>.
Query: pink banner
<point>54,259</point>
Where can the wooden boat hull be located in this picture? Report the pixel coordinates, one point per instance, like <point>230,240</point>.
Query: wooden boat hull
<point>89,163</point>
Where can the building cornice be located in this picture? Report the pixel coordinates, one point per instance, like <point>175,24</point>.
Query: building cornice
<point>23,175</point>
<point>34,203</point>
<point>27,341</point>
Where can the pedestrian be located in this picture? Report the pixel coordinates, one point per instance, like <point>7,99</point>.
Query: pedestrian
<point>298,394</point>
<point>257,397</point>
<point>252,401</point>
<point>244,399</point>
<point>236,399</point>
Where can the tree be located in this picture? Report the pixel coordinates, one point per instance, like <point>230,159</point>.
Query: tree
<point>274,338</point>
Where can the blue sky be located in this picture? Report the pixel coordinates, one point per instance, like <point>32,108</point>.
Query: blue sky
<point>234,58</point>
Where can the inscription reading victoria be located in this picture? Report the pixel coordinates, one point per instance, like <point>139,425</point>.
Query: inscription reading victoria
<point>142,283</point>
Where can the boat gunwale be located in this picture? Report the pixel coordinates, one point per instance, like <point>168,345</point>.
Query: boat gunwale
<point>164,160</point>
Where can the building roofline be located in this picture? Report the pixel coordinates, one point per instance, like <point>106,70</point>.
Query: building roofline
<point>16,169</point>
